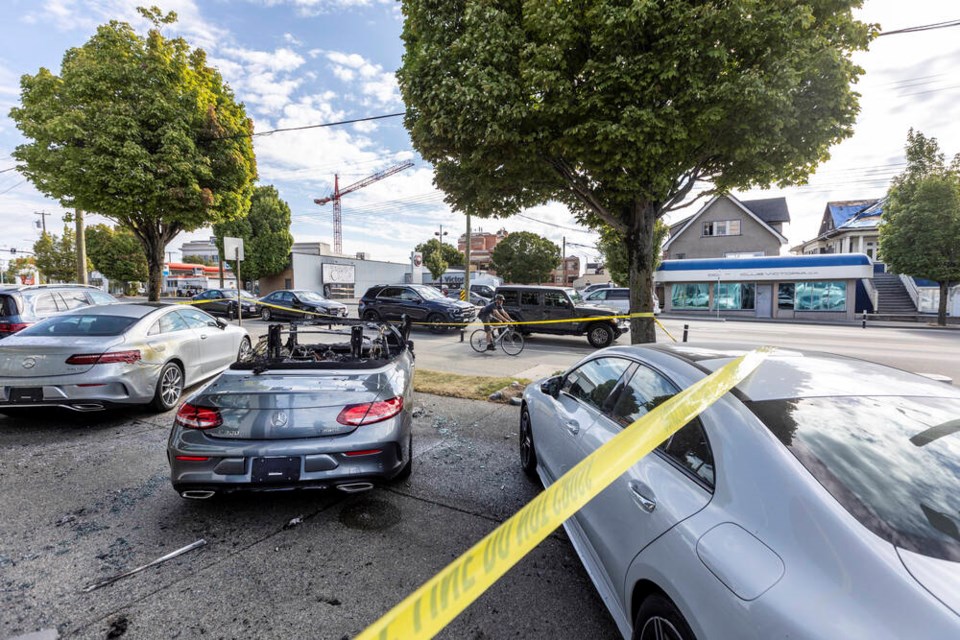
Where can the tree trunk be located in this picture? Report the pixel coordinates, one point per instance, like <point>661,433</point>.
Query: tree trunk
<point>639,239</point>
<point>153,246</point>
<point>942,310</point>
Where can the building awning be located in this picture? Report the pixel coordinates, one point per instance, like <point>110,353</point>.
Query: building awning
<point>773,268</point>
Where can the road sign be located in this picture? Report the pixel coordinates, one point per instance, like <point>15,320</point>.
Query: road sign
<point>232,248</point>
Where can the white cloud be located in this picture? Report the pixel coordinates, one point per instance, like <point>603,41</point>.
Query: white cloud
<point>379,86</point>
<point>263,79</point>
<point>289,38</point>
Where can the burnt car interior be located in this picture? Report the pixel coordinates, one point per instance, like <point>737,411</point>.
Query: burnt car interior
<point>322,344</point>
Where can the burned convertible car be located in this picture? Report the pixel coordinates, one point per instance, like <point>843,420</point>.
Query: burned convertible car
<point>313,406</point>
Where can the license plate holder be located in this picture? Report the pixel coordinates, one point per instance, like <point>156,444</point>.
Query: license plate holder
<point>275,469</point>
<point>26,394</point>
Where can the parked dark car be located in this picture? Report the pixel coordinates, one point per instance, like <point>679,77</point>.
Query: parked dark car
<point>530,303</point>
<point>475,298</point>
<point>224,302</point>
<point>22,306</point>
<point>299,304</point>
<point>418,302</point>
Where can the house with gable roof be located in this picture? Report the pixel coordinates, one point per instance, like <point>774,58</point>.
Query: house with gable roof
<point>849,226</point>
<point>726,227</point>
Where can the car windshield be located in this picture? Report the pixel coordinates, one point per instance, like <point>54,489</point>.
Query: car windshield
<point>80,325</point>
<point>310,296</point>
<point>574,295</point>
<point>428,293</point>
<point>893,463</point>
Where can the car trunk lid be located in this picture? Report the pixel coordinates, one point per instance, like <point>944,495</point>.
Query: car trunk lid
<point>938,576</point>
<point>41,356</point>
<point>278,406</point>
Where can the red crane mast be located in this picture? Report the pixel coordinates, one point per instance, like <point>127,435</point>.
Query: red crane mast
<point>360,184</point>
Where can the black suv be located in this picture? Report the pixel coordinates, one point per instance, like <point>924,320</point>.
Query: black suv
<point>21,306</point>
<point>419,302</point>
<point>531,303</point>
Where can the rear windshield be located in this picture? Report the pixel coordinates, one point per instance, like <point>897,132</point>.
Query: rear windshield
<point>80,325</point>
<point>893,463</point>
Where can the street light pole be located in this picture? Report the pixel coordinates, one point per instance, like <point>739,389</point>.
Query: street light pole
<point>441,234</point>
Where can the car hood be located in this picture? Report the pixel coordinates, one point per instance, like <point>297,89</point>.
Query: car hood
<point>329,304</point>
<point>939,577</point>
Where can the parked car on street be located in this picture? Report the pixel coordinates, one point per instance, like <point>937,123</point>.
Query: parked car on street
<point>121,354</point>
<point>224,302</point>
<point>617,298</point>
<point>596,285</point>
<point>315,408</point>
<point>418,302</point>
<point>529,303</point>
<point>298,304</point>
<point>475,298</point>
<point>819,499</point>
<point>22,306</point>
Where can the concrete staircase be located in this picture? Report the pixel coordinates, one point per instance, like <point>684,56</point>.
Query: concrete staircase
<point>892,296</point>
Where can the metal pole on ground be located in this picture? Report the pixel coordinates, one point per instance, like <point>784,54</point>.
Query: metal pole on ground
<point>239,307</point>
<point>864,325</point>
<point>686,328</point>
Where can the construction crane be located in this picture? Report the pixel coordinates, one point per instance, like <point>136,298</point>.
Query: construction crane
<point>337,194</point>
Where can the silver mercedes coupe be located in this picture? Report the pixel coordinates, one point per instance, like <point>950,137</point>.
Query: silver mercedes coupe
<point>315,406</point>
<point>818,499</point>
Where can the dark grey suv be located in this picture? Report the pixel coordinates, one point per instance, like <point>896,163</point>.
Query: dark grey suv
<point>529,303</point>
<point>418,302</point>
<point>22,306</point>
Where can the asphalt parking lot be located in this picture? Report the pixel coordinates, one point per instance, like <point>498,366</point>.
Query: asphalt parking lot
<point>86,498</point>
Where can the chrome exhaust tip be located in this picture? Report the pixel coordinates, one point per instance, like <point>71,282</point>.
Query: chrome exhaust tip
<point>355,487</point>
<point>87,406</point>
<point>197,494</point>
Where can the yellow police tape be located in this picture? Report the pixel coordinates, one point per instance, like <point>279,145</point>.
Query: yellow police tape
<point>431,607</point>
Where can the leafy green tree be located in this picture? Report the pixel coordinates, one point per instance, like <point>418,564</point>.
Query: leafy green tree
<point>204,260</point>
<point>613,250</point>
<point>920,232</point>
<point>435,264</point>
<point>450,254</point>
<point>24,266</point>
<point>56,256</point>
<point>116,253</point>
<point>266,235</point>
<point>140,130</point>
<point>619,108</point>
<point>524,257</point>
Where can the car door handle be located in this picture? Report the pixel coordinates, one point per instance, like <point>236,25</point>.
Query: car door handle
<point>203,336</point>
<point>642,501</point>
<point>572,426</point>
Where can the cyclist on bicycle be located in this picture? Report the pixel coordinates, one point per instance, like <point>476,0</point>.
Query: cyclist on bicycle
<point>493,312</point>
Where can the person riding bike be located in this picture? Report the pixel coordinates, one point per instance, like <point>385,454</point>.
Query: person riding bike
<point>493,312</point>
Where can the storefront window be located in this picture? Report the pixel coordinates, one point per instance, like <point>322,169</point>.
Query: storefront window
<point>821,296</point>
<point>734,296</point>
<point>785,292</point>
<point>690,296</point>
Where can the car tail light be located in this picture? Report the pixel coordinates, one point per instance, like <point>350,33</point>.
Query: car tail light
<point>12,327</point>
<point>355,415</point>
<point>364,452</point>
<point>111,357</point>
<point>192,458</point>
<point>193,417</point>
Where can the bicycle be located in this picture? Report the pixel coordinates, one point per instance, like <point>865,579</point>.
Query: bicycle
<point>509,339</point>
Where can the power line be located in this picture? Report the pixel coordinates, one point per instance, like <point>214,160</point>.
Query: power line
<point>9,169</point>
<point>12,188</point>
<point>922,27</point>
<point>320,126</point>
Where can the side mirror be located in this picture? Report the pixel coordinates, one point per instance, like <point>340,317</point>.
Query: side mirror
<point>551,386</point>
<point>219,322</point>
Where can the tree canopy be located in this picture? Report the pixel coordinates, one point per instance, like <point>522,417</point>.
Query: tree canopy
<point>116,253</point>
<point>619,108</point>
<point>435,264</point>
<point>266,235</point>
<point>141,130</point>
<point>920,232</point>
<point>448,252</point>
<point>21,267</point>
<point>56,256</point>
<point>613,251</point>
<point>524,257</point>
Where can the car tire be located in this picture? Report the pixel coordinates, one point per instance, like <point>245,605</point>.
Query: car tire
<point>169,387</point>
<point>407,470</point>
<point>265,314</point>
<point>659,619</point>
<point>600,335</point>
<point>435,319</point>
<point>370,315</point>
<point>244,349</point>
<point>528,453</point>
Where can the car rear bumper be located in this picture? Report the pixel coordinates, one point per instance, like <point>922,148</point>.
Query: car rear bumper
<point>121,385</point>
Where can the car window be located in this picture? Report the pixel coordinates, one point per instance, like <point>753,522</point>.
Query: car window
<point>170,323</point>
<point>80,325</point>
<point>74,299</point>
<point>530,298</point>
<point>46,303</point>
<point>195,318</point>
<point>597,295</point>
<point>99,297</point>
<point>555,300</point>
<point>618,294</point>
<point>391,292</point>
<point>286,297</point>
<point>510,298</point>
<point>409,295</point>
<point>593,381</point>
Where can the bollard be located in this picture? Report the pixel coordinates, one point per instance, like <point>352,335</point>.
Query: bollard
<point>463,332</point>
<point>686,328</point>
<point>864,325</point>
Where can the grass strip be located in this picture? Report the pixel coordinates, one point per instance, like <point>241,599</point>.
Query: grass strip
<point>455,385</point>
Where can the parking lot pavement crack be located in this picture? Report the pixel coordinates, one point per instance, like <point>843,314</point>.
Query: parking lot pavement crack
<point>203,568</point>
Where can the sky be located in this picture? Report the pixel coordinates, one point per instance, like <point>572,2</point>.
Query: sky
<point>302,62</point>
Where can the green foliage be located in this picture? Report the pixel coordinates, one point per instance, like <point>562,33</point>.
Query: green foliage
<point>449,252</point>
<point>204,260</point>
<point>920,233</point>
<point>435,264</point>
<point>56,257</point>
<point>618,108</point>
<point>613,250</point>
<point>140,130</point>
<point>524,257</point>
<point>116,253</point>
<point>266,235</point>
<point>22,266</point>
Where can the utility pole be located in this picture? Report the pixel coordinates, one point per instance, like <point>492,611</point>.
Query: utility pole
<point>440,235</point>
<point>563,261</point>
<point>43,217</point>
<point>81,249</point>
<point>466,271</point>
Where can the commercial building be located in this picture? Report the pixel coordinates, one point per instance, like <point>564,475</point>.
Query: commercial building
<point>567,273</point>
<point>482,244</point>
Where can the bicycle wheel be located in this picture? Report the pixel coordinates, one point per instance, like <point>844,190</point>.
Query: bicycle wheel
<point>512,342</point>
<point>478,340</point>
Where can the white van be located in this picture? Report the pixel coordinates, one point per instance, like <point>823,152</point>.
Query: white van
<point>617,298</point>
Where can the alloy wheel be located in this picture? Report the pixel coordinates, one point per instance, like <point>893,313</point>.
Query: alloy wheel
<point>171,385</point>
<point>658,628</point>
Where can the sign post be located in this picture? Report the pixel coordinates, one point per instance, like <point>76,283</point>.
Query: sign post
<point>235,246</point>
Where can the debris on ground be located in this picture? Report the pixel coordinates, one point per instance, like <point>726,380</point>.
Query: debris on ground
<point>417,412</point>
<point>118,627</point>
<point>294,522</point>
<point>173,554</point>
